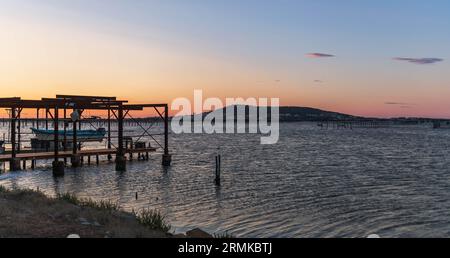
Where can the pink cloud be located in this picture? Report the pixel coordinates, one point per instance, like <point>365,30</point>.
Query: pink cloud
<point>318,55</point>
<point>419,60</point>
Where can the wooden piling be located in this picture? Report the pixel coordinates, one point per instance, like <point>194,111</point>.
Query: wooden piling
<point>218,168</point>
<point>58,166</point>
<point>120,156</point>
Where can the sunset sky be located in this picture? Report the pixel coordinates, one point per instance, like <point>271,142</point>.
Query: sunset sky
<point>374,58</point>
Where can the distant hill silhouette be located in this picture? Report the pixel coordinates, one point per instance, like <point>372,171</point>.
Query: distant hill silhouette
<point>312,114</point>
<point>296,114</point>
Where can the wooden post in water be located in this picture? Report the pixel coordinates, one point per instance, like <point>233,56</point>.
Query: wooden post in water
<point>167,158</point>
<point>121,164</point>
<point>218,168</point>
<point>19,135</point>
<point>58,166</point>
<point>75,160</point>
<point>46,125</point>
<point>14,164</point>
<point>109,132</point>
<point>65,134</point>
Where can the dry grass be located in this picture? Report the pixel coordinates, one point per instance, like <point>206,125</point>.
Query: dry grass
<point>31,214</point>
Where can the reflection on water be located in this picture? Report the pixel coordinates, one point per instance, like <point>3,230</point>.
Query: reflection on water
<point>313,183</point>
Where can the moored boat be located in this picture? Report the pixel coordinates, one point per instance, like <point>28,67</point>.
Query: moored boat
<point>82,135</point>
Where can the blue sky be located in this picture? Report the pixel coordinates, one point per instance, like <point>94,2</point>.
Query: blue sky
<point>382,27</point>
<point>268,40</point>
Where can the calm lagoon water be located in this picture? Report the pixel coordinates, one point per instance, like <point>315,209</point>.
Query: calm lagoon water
<point>394,182</point>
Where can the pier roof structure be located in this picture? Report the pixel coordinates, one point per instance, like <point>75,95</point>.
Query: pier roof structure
<point>70,101</point>
<point>118,109</point>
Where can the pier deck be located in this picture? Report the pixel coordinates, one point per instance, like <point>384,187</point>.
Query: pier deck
<point>68,154</point>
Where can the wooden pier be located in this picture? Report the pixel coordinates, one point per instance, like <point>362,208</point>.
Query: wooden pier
<point>143,154</point>
<point>118,111</point>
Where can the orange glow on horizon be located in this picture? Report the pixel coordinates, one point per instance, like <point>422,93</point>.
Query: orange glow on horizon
<point>45,59</point>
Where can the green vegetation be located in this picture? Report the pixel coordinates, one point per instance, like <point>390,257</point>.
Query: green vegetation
<point>3,189</point>
<point>70,198</point>
<point>152,219</point>
<point>224,235</point>
<point>88,202</point>
<point>68,214</point>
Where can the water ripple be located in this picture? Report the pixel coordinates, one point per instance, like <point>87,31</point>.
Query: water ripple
<point>313,183</point>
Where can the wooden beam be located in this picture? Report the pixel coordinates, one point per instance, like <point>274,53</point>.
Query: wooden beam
<point>143,105</point>
<point>59,96</point>
<point>9,99</point>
